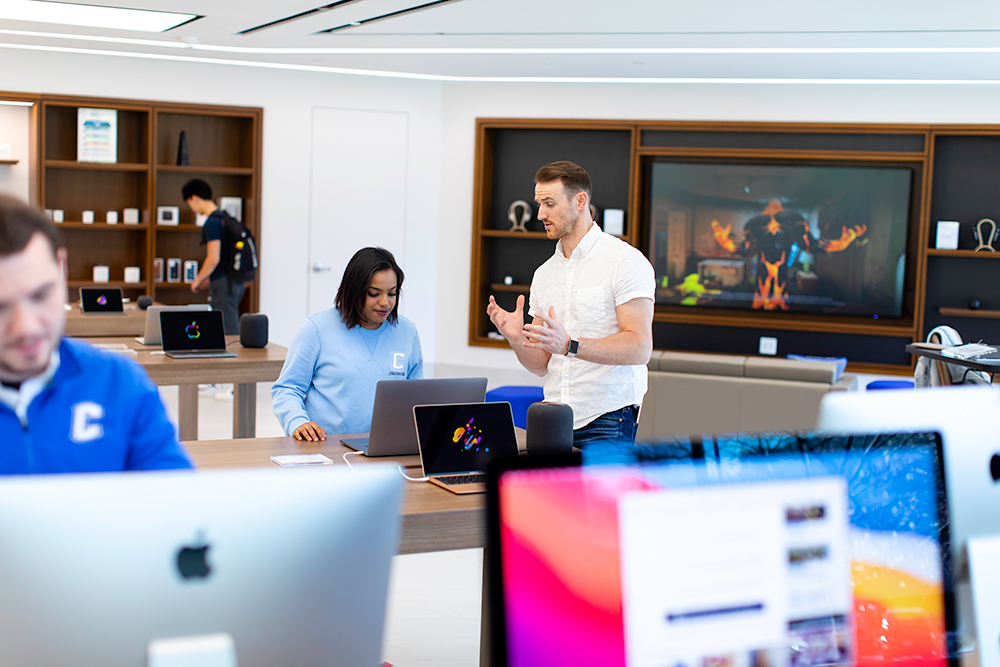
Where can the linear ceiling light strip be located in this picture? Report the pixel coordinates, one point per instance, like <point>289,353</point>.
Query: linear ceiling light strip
<point>386,16</point>
<point>93,16</point>
<point>294,17</point>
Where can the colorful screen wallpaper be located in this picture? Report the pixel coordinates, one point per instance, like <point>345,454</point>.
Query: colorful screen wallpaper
<point>560,548</point>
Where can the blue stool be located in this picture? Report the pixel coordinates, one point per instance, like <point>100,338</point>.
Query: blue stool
<point>889,384</point>
<point>520,398</point>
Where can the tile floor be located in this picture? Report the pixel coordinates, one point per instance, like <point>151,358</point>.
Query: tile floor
<point>432,617</point>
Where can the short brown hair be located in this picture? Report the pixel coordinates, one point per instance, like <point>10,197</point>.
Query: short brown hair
<point>573,177</point>
<point>19,223</point>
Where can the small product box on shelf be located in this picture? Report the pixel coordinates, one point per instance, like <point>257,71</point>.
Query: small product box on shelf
<point>111,217</point>
<point>168,215</point>
<point>131,216</point>
<point>132,274</point>
<point>88,217</point>
<point>947,235</point>
<point>174,270</point>
<point>102,274</point>
<point>57,215</point>
<point>190,270</point>
<point>158,269</point>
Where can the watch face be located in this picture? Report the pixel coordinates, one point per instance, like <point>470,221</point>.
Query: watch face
<point>573,347</point>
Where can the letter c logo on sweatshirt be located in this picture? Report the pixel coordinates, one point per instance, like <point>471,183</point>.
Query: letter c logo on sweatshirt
<point>398,359</point>
<point>87,426</point>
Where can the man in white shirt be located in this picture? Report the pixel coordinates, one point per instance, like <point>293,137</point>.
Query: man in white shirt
<point>592,312</point>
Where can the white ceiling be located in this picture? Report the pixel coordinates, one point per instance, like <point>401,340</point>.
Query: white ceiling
<point>713,40</point>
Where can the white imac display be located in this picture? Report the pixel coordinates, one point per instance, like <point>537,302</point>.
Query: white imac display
<point>292,564</point>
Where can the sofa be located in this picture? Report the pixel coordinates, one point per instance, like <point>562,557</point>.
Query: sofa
<point>693,393</point>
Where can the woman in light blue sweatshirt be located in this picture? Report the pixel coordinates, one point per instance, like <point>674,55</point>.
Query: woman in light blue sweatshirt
<point>327,384</point>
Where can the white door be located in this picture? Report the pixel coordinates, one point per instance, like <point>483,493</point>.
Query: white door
<point>358,193</point>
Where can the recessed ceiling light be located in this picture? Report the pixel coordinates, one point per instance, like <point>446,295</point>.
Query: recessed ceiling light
<point>92,16</point>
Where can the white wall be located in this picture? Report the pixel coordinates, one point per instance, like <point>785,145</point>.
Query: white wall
<point>463,103</point>
<point>288,99</point>
<point>441,156</point>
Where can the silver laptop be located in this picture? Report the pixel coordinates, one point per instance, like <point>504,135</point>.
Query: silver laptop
<point>151,334</point>
<point>95,567</point>
<point>192,334</point>
<point>392,432</point>
<point>457,441</point>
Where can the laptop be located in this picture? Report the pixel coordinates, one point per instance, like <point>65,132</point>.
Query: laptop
<point>101,301</point>
<point>558,537</point>
<point>457,441</point>
<point>392,432</point>
<point>151,334</point>
<point>193,335</point>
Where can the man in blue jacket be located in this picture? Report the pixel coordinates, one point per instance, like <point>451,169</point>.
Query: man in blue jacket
<point>65,406</point>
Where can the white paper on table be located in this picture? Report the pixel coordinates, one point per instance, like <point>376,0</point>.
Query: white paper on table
<point>302,460</point>
<point>708,570</point>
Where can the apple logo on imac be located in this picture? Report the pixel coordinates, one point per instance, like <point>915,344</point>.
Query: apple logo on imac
<point>192,561</point>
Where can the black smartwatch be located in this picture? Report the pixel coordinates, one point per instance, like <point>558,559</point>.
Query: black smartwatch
<point>574,347</point>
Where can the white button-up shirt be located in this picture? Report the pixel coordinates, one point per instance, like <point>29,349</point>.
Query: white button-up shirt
<point>602,273</point>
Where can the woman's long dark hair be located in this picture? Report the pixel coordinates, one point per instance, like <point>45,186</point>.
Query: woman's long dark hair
<point>358,276</point>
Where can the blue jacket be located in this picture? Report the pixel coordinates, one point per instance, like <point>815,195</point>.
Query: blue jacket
<point>99,413</point>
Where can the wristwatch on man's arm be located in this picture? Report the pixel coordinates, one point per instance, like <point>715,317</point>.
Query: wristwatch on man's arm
<point>574,347</point>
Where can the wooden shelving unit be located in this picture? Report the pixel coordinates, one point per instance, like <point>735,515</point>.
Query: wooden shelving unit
<point>224,148</point>
<point>967,312</point>
<point>955,169</point>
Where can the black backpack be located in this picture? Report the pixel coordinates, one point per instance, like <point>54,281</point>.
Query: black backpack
<point>239,250</point>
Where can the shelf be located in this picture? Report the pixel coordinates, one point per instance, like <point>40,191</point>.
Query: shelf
<point>91,283</point>
<point>122,227</point>
<point>97,166</point>
<point>9,161</point>
<point>500,287</point>
<point>934,252</point>
<point>186,286</point>
<point>965,312</point>
<point>178,228</point>
<point>502,234</point>
<point>195,169</point>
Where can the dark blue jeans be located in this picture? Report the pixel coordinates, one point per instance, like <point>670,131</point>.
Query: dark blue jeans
<point>617,427</point>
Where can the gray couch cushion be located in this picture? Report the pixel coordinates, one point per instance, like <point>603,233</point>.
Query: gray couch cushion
<point>654,360</point>
<point>789,369</point>
<point>702,364</point>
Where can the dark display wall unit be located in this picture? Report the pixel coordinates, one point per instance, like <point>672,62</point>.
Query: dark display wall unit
<point>954,175</point>
<point>224,149</point>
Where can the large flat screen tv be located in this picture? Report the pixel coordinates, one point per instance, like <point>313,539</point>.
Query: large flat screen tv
<point>821,239</point>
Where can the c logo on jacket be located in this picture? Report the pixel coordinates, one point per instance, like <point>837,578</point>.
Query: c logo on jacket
<point>86,424</point>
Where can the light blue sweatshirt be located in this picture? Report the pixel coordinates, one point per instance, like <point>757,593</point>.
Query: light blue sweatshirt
<point>330,372</point>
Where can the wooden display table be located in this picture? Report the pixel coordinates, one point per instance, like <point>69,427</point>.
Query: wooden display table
<point>250,366</point>
<point>132,323</point>
<point>433,519</point>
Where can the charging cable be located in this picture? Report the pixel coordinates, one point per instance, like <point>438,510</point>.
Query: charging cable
<point>411,479</point>
<point>346,454</point>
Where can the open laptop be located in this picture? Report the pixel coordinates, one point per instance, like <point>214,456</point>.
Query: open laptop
<point>101,301</point>
<point>151,334</point>
<point>457,441</point>
<point>392,432</point>
<point>193,335</point>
